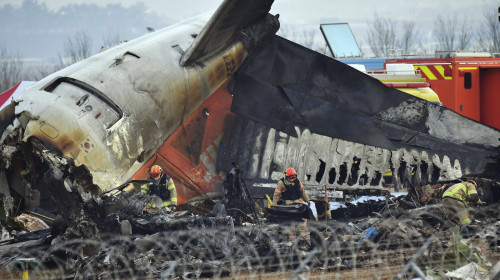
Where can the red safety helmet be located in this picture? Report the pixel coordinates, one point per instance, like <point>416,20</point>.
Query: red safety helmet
<point>473,182</point>
<point>155,171</point>
<point>291,174</point>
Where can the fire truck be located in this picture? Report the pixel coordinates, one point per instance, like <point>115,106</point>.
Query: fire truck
<point>466,82</point>
<point>402,77</point>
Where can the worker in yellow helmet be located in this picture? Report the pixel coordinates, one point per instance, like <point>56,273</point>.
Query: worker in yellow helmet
<point>455,201</point>
<point>162,186</point>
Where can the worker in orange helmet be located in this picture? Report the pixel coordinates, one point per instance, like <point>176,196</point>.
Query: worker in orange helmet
<point>455,201</point>
<point>290,190</point>
<point>162,186</point>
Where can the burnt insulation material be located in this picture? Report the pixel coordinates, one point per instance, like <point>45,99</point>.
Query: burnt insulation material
<point>352,211</point>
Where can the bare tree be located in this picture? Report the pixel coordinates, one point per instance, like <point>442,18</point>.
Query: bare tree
<point>464,38</point>
<point>11,69</point>
<point>362,48</point>
<point>409,37</point>
<point>381,36</point>
<point>76,48</point>
<point>301,37</point>
<point>489,34</point>
<point>307,38</point>
<point>324,50</point>
<point>426,48</point>
<point>111,39</point>
<point>304,37</point>
<point>445,31</point>
<point>41,71</point>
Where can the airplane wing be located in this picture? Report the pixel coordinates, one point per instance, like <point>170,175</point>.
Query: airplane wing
<point>224,27</point>
<point>285,85</point>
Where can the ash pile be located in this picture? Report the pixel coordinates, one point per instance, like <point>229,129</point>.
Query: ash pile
<point>112,238</point>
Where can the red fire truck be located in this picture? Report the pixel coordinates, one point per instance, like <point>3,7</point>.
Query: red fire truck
<point>466,82</point>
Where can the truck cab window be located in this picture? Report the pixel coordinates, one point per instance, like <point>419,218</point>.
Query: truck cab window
<point>467,80</point>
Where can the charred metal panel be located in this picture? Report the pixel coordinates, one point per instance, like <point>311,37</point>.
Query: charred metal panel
<point>295,90</point>
<point>344,167</point>
<point>313,156</point>
<point>191,155</point>
<point>262,153</point>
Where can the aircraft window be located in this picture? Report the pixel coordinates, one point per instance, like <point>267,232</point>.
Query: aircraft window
<point>467,80</point>
<point>89,102</point>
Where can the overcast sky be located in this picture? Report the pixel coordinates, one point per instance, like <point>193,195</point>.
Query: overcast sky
<point>299,13</point>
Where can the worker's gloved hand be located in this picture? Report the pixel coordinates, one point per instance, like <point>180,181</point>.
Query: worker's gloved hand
<point>173,207</point>
<point>329,214</point>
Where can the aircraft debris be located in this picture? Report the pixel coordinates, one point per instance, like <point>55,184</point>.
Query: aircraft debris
<point>469,271</point>
<point>184,244</point>
<point>93,139</point>
<point>388,128</point>
<point>30,223</point>
<point>234,92</point>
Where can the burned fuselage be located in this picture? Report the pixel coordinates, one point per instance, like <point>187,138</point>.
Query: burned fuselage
<point>195,97</point>
<point>112,111</point>
<point>107,115</point>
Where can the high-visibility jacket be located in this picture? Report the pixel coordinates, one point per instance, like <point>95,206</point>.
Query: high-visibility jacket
<point>465,192</point>
<point>164,188</point>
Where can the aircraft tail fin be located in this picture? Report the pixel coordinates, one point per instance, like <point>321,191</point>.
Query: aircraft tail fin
<point>224,26</point>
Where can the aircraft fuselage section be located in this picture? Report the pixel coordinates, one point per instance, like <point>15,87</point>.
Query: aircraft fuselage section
<point>111,112</point>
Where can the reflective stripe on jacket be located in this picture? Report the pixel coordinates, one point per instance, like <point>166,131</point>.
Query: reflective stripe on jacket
<point>170,196</point>
<point>461,191</point>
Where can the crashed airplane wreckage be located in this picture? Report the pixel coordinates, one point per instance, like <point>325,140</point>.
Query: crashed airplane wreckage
<point>194,97</point>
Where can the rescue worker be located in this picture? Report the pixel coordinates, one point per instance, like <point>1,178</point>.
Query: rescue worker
<point>290,190</point>
<point>323,208</point>
<point>162,186</point>
<point>455,200</point>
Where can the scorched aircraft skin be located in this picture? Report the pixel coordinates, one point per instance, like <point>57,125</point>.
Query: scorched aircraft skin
<point>194,97</point>
<point>111,112</point>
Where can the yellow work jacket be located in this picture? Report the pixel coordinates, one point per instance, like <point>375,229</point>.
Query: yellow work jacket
<point>167,184</point>
<point>462,192</point>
